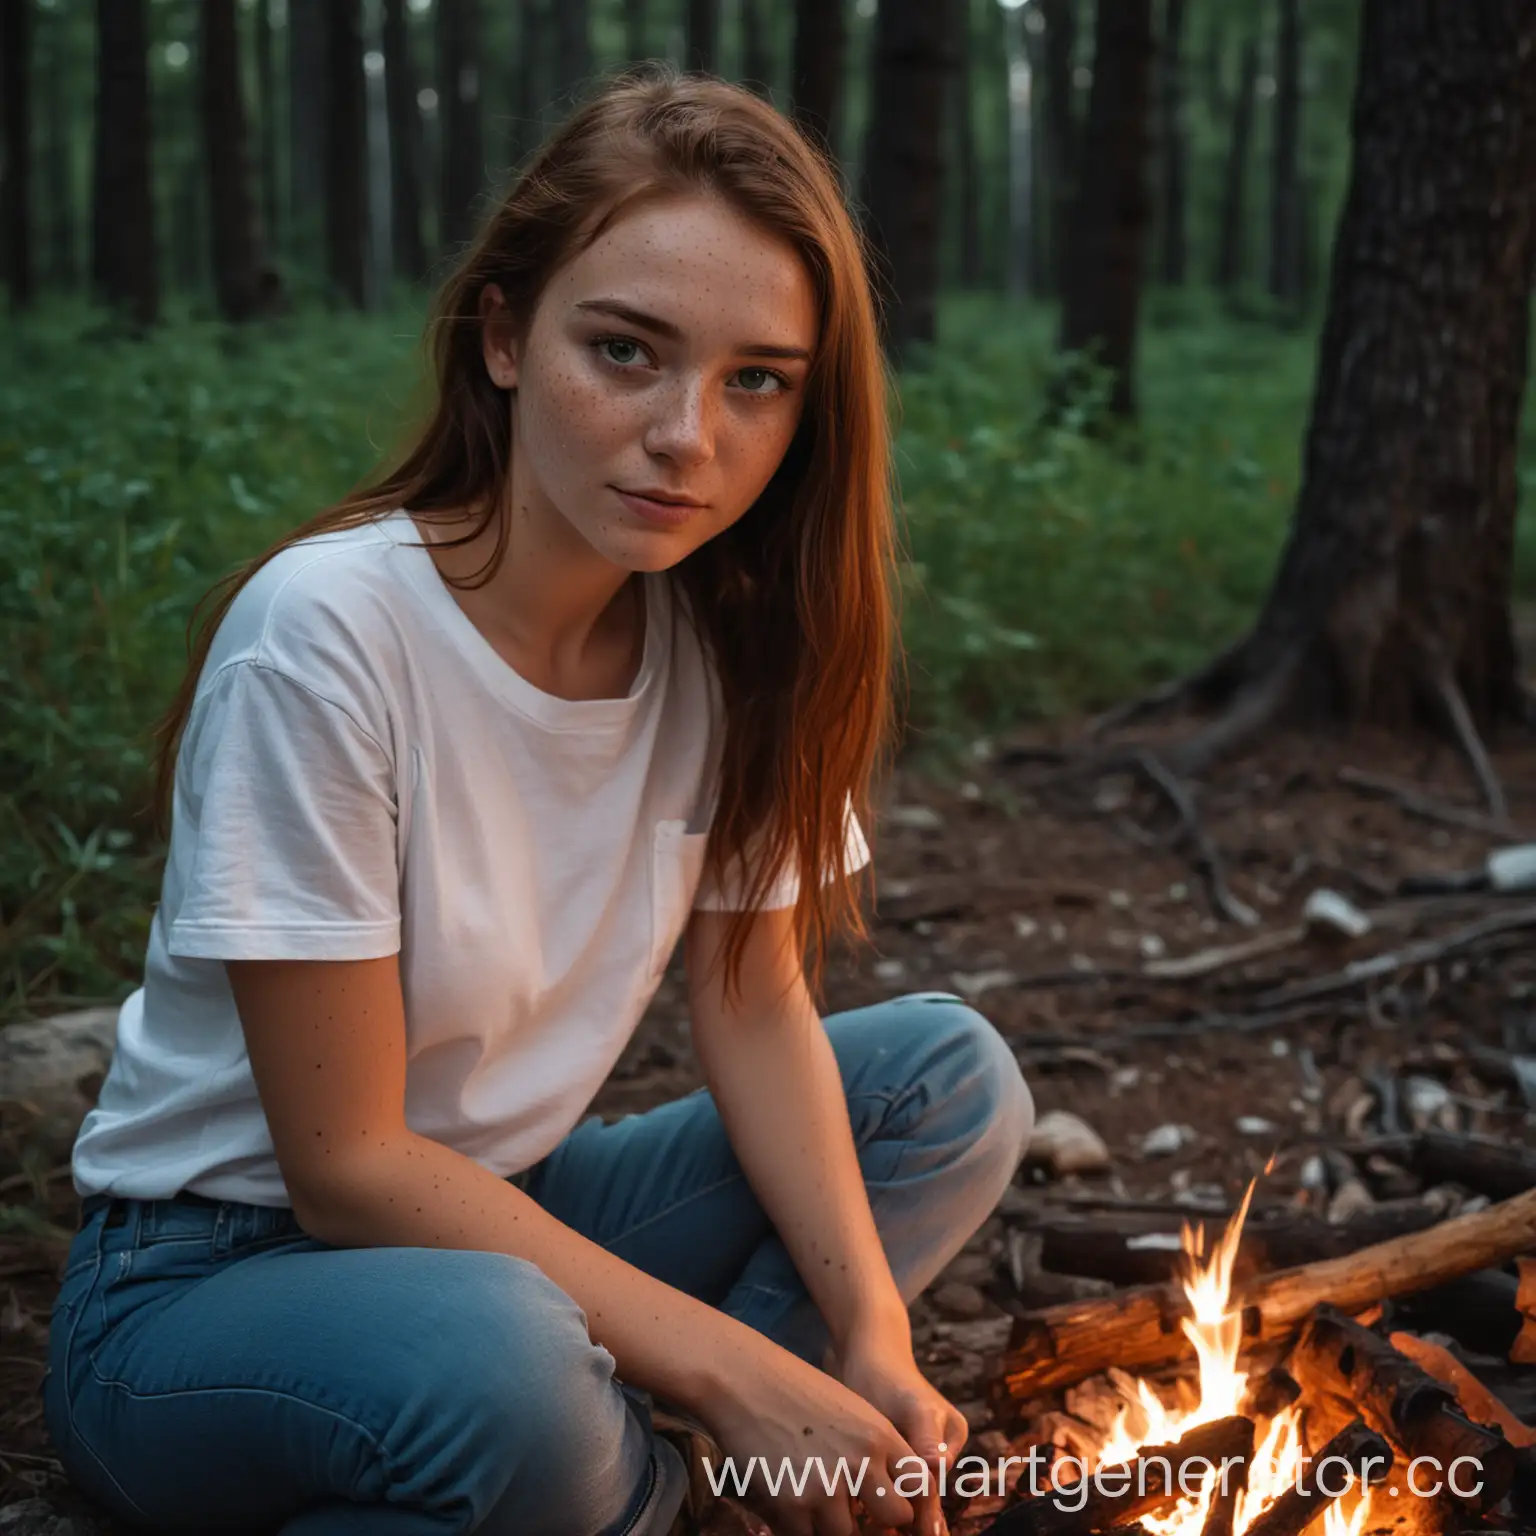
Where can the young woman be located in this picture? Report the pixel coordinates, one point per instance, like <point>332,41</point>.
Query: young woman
<point>604,663</point>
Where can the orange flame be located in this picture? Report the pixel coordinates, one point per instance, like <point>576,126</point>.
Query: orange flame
<point>1215,1330</point>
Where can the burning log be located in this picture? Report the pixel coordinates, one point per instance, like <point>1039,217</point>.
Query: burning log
<point>1477,1402</point>
<point>1138,1328</point>
<point>1344,1370</point>
<point>1356,1446</point>
<point>1150,1484</point>
<point>1132,1250</point>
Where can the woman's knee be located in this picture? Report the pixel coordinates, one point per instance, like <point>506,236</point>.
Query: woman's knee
<point>973,1071</point>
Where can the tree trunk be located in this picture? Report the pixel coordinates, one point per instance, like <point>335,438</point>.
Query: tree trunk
<point>1173,148</point>
<point>1285,188</point>
<point>1234,192</point>
<point>409,250</point>
<point>904,162</point>
<point>16,188</point>
<point>458,106</point>
<point>123,266</point>
<point>309,112</point>
<point>346,158</point>
<point>821,48</point>
<point>1392,595</point>
<point>967,172</point>
<point>573,52</point>
<point>1059,52</point>
<point>1101,296</point>
<point>231,215</point>
<point>530,77</point>
<point>702,45</point>
<point>634,30</point>
<point>757,69</point>
<point>266,101</point>
<point>59,161</point>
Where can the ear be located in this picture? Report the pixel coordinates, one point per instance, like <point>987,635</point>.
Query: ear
<point>498,337</point>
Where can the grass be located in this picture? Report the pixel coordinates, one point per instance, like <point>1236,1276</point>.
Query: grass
<point>1051,570</point>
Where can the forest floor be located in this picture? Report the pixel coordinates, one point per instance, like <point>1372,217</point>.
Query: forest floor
<point>1044,897</point>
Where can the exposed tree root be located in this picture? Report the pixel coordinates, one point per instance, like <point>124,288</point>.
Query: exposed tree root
<point>1207,859</point>
<point>1459,718</point>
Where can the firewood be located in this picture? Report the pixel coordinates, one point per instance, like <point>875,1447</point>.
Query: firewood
<point>1340,1364</point>
<point>1497,1169</point>
<point>1138,1328</point>
<point>1115,1247</point>
<point>1477,1402</point>
<point>1357,1446</point>
<point>1150,1484</point>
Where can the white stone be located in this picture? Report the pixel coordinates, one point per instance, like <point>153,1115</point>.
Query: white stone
<point>1068,1144</point>
<point>50,1070</point>
<point>1165,1140</point>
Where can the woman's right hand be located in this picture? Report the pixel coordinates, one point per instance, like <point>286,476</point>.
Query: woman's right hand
<point>779,1415</point>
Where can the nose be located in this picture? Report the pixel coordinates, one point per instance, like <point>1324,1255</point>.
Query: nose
<point>683,427</point>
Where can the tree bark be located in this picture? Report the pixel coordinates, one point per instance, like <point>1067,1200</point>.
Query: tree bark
<point>458,105</point>
<point>904,163</point>
<point>16,188</point>
<point>757,69</point>
<point>635,30</point>
<point>1173,148</point>
<point>232,221</point>
<point>1285,184</point>
<point>1101,297</point>
<point>1061,134</point>
<point>123,264</point>
<point>702,44</point>
<point>405,146</point>
<point>309,112</point>
<point>266,142</point>
<point>1391,601</point>
<point>346,160</point>
<point>1231,226</point>
<point>572,52</point>
<point>967,171</point>
<point>821,48</point>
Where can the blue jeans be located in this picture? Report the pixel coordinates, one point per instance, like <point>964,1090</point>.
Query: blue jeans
<point>213,1368</point>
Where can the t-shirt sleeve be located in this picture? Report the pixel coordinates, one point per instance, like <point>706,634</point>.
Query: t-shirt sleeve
<point>284,833</point>
<point>730,894</point>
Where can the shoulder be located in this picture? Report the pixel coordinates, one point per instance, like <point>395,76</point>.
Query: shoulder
<point>324,612</point>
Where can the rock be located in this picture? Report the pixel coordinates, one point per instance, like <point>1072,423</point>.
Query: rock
<point>956,1299</point>
<point>37,1517</point>
<point>50,1074</point>
<point>1349,1199</point>
<point>890,970</point>
<point>1165,1140</point>
<point>1254,1125</point>
<point>1333,916</point>
<point>969,1267</point>
<point>1314,1176</point>
<point>1428,1102</point>
<point>1067,1144</point>
<point>1513,869</point>
<point>985,1336</point>
<point>973,984</point>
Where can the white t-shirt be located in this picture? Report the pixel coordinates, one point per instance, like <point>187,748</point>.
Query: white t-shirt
<point>362,774</point>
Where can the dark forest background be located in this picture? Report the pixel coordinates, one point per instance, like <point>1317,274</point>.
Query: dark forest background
<point>1209,325</point>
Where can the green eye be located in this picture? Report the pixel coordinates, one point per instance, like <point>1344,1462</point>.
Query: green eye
<point>620,351</point>
<point>755,380</point>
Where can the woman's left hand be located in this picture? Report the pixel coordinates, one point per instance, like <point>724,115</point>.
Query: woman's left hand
<point>884,1373</point>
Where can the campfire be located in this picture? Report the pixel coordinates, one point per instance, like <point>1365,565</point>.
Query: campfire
<point>1323,1420</point>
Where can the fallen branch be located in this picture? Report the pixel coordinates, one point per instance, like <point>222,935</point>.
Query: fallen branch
<point>1207,962</point>
<point>1478,1403</point>
<point>1424,952</point>
<point>1137,1328</point>
<point>1425,807</point>
<point>1459,717</point>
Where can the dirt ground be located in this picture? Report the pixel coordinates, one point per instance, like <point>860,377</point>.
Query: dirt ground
<point>1044,903</point>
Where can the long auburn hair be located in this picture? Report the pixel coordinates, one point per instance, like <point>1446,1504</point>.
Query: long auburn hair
<point>796,602</point>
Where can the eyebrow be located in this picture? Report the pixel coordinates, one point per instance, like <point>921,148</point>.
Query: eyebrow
<point>666,329</point>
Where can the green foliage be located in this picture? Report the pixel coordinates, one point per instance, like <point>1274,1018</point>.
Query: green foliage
<point>1056,562</point>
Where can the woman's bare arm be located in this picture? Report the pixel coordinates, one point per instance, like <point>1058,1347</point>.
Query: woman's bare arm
<point>327,1046</point>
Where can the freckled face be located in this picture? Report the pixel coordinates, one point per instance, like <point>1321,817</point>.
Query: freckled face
<point>660,383</point>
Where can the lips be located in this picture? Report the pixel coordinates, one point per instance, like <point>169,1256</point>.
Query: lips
<point>664,498</point>
<point>659,507</point>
